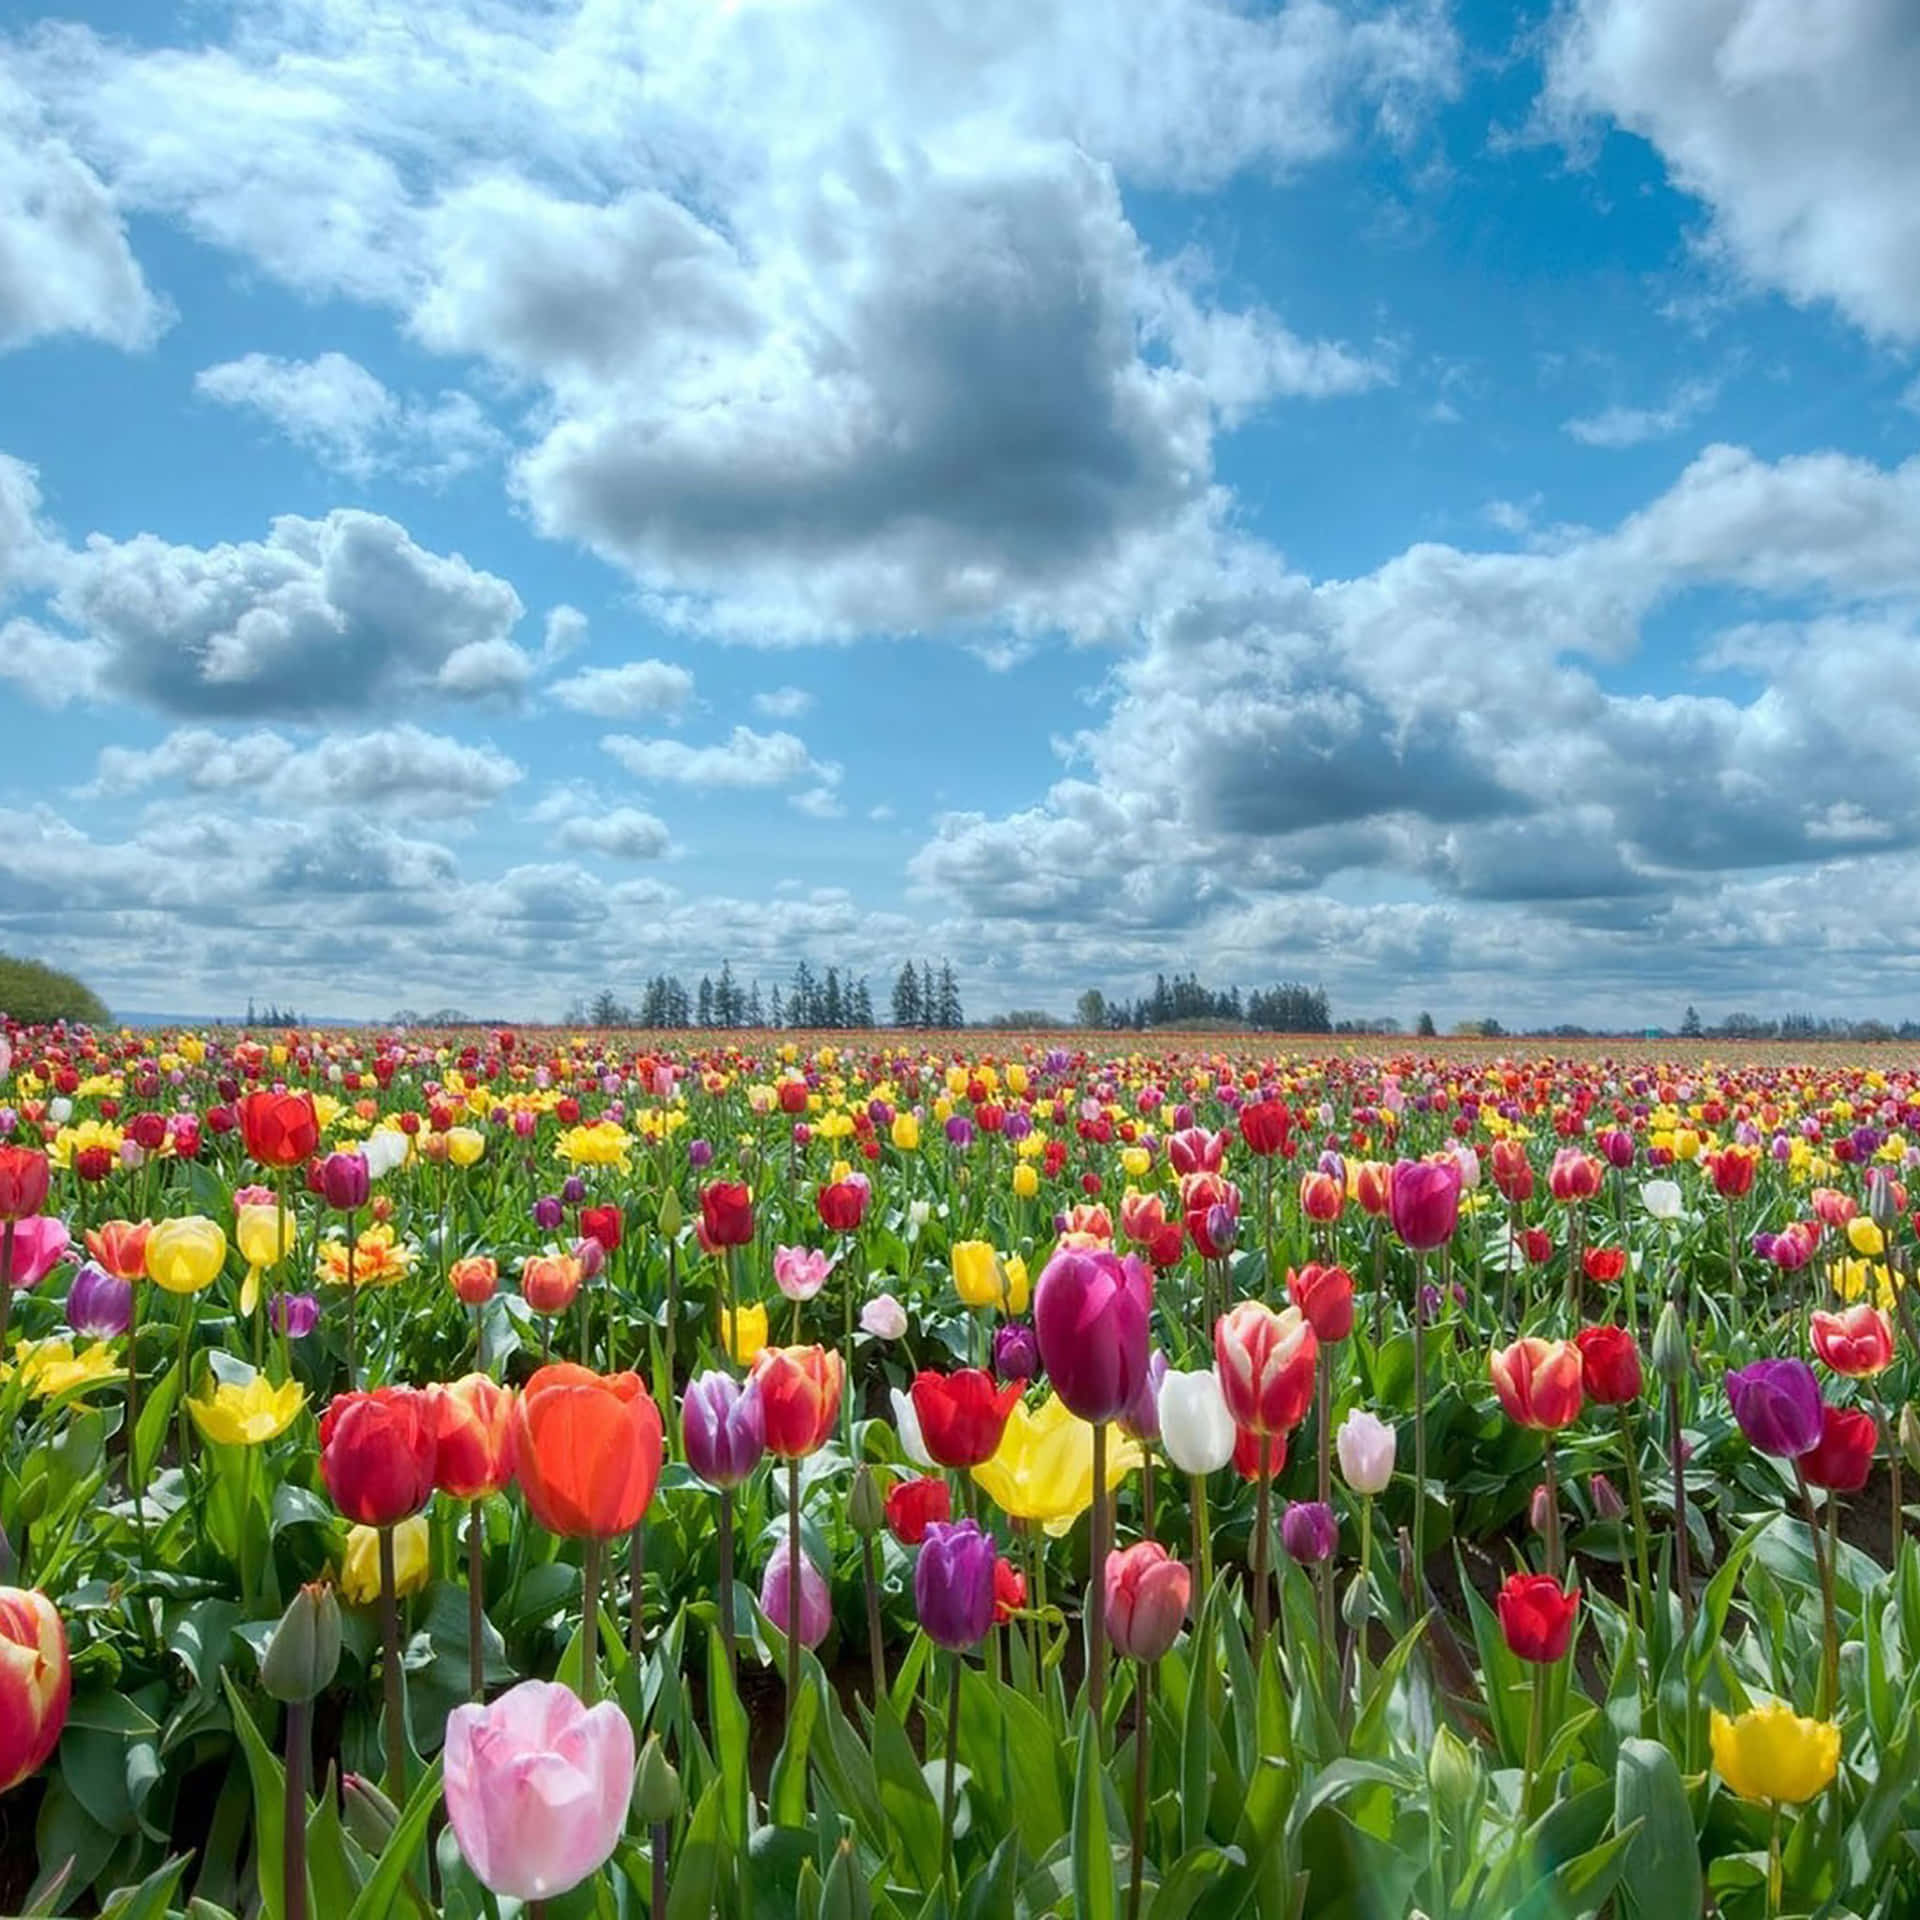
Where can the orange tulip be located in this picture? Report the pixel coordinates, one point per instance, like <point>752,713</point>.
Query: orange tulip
<point>800,1390</point>
<point>587,1447</point>
<point>121,1247</point>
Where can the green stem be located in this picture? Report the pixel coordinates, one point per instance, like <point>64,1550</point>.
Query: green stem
<point>1202,1535</point>
<point>391,1680</point>
<point>948,1878</point>
<point>476,1601</point>
<point>725,1531</point>
<point>1262,1527</point>
<point>1419,1427</point>
<point>793,1588</point>
<point>1096,1602</point>
<point>1142,1761</point>
<point>592,1554</point>
<point>293,1884</point>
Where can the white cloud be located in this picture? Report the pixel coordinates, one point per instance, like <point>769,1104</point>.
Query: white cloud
<point>746,759</point>
<point>884,356</point>
<point>65,265</point>
<point>565,634</point>
<point>783,703</point>
<point>403,768</point>
<point>624,833</point>
<point>322,616</point>
<point>632,690</point>
<point>338,411</point>
<point>1617,426</point>
<point>819,803</point>
<point>1794,123</point>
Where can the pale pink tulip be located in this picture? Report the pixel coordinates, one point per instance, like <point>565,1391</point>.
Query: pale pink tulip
<point>537,1787</point>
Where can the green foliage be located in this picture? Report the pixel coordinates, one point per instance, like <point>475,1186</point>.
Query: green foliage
<point>35,993</point>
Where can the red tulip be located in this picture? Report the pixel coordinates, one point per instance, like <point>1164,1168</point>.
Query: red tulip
<point>1009,1590</point>
<point>1604,1265</point>
<point>1732,1171</point>
<point>1574,1176</point>
<point>1538,1382</point>
<point>1536,1617</point>
<point>1265,1361</point>
<point>1512,1171</point>
<point>603,1224</point>
<point>1609,1365</point>
<point>1842,1457</point>
<point>473,1436</point>
<point>726,1214</point>
<point>1249,1448</point>
<point>279,1129</point>
<point>1321,1197</point>
<point>1325,1296</point>
<point>1264,1126</point>
<point>1537,1244</point>
<point>24,1176</point>
<point>912,1505</point>
<point>800,1390</point>
<point>1856,1342</point>
<point>962,1414</point>
<point>843,1205</point>
<point>378,1450</point>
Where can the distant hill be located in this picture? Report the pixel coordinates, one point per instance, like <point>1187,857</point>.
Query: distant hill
<point>36,993</point>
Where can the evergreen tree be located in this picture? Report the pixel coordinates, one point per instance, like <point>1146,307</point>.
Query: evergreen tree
<point>706,1002</point>
<point>832,1014</point>
<point>755,1018</point>
<point>1423,1027</point>
<point>1690,1024</point>
<point>1091,1009</point>
<point>860,1004</point>
<point>906,997</point>
<point>929,1000</point>
<point>776,1013</point>
<point>950,1013</point>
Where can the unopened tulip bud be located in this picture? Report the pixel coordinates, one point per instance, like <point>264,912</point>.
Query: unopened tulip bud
<point>1883,1203</point>
<point>369,1816</point>
<point>1452,1776</point>
<point>1910,1436</point>
<point>1356,1604</point>
<point>304,1652</point>
<point>1539,1508</point>
<point>866,1509</point>
<point>1607,1504</point>
<point>656,1786</point>
<point>844,1895</point>
<point>672,1216</point>
<point>1672,1359</point>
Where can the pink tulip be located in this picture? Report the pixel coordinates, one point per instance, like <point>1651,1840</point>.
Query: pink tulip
<point>39,1245</point>
<point>776,1597</point>
<point>537,1788</point>
<point>800,1272</point>
<point>1147,1593</point>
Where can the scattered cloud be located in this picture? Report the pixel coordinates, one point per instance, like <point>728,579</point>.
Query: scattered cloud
<point>632,690</point>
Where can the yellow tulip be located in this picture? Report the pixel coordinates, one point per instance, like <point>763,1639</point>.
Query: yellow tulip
<point>246,1416</point>
<point>743,1332</point>
<point>976,1277</point>
<point>1044,1468</point>
<point>1026,1181</point>
<point>1018,1291</point>
<point>1864,1236</point>
<point>1016,1078</point>
<point>1134,1162</point>
<point>1770,1753</point>
<point>257,1231</point>
<point>906,1131</point>
<point>465,1145</point>
<point>48,1367</point>
<point>360,1565</point>
<point>185,1255</point>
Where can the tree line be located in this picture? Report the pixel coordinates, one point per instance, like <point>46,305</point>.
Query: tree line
<point>1290,1007</point>
<point>838,999</point>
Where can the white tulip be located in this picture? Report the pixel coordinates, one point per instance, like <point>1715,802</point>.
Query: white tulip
<point>1195,1427</point>
<point>1661,1198</point>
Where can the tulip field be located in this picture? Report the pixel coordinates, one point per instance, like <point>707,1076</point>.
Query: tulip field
<point>483,1473</point>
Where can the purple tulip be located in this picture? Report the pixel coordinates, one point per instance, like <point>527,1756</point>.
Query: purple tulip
<point>724,1426</point>
<point>1141,1421</point>
<point>1016,1353</point>
<point>345,1182</point>
<point>98,1305</point>
<point>960,1132</point>
<point>777,1598</point>
<point>548,1212</point>
<point>1308,1532</point>
<point>1017,1126</point>
<point>295,1314</point>
<point>592,1257</point>
<point>573,1190</point>
<point>953,1584</point>
<point>1090,1313</point>
<point>1777,1403</point>
<point>1423,1202</point>
<point>699,1153</point>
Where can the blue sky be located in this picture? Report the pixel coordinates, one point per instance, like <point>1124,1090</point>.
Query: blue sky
<point>1422,498</point>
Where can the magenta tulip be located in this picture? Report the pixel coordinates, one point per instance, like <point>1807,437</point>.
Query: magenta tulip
<point>1090,1313</point>
<point>1423,1202</point>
